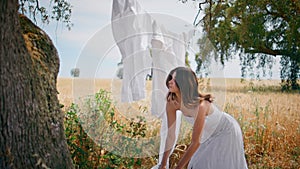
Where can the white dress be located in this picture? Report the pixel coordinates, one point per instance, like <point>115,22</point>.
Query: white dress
<point>221,145</point>
<point>130,27</point>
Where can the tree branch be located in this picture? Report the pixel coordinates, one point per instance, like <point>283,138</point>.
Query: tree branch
<point>202,3</point>
<point>266,51</point>
<point>282,15</point>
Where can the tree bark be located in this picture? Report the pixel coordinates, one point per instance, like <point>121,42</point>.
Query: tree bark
<point>31,122</point>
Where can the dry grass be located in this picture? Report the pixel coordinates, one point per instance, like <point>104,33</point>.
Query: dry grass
<point>270,119</point>
<point>270,122</point>
<point>65,87</point>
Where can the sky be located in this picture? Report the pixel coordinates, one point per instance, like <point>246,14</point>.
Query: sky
<point>91,19</point>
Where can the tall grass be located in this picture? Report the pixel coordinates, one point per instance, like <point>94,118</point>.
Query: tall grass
<point>271,128</point>
<point>270,122</point>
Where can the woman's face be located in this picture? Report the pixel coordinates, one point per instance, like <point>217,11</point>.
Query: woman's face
<point>172,84</point>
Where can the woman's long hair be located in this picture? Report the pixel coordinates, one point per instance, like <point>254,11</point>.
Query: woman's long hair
<point>187,83</point>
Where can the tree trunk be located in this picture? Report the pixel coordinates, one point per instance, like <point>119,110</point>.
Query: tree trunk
<point>31,122</point>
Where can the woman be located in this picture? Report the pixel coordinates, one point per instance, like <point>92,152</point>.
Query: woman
<point>217,141</point>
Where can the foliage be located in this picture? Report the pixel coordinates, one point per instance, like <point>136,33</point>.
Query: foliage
<point>258,30</point>
<point>60,11</point>
<point>203,58</point>
<point>89,135</point>
<point>289,74</point>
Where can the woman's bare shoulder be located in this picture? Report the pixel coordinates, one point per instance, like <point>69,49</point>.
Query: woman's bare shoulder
<point>205,106</point>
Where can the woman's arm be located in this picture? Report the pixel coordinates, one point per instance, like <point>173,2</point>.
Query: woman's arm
<point>196,134</point>
<point>171,108</point>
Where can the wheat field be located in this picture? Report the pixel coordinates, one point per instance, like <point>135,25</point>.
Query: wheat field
<point>269,118</point>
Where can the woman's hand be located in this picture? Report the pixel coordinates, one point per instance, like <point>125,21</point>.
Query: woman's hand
<point>174,103</point>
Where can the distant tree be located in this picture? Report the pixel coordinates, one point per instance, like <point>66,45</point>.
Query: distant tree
<point>75,72</point>
<point>120,70</point>
<point>257,30</point>
<point>31,122</point>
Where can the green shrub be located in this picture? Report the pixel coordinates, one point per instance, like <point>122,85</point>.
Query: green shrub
<point>97,139</point>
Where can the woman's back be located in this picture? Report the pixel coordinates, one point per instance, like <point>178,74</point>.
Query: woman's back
<point>211,121</point>
<point>221,143</point>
